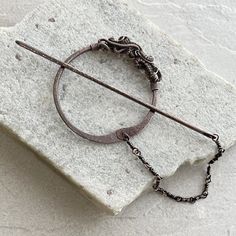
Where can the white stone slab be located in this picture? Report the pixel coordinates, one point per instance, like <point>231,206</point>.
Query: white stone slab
<point>108,173</point>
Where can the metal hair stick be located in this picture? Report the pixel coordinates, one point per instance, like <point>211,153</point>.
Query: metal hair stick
<point>151,107</point>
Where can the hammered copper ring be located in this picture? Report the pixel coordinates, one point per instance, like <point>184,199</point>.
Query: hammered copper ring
<point>115,136</point>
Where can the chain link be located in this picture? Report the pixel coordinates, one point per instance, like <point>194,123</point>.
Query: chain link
<point>157,180</point>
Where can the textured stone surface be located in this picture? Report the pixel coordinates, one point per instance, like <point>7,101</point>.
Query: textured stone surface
<point>73,159</point>
<point>55,208</point>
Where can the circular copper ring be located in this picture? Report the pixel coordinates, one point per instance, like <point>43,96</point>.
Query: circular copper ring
<point>113,137</point>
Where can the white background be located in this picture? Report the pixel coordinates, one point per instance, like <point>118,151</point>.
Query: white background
<point>36,201</point>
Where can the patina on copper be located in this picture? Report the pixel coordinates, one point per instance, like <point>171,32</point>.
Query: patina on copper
<point>132,98</point>
<point>124,46</point>
<point>141,61</point>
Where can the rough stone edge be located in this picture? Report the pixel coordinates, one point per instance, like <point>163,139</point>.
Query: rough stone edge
<point>88,195</point>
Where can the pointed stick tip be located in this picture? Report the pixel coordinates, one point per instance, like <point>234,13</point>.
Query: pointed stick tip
<point>18,42</point>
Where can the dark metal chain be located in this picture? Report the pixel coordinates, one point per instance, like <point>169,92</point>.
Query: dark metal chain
<point>156,185</point>
<point>134,51</point>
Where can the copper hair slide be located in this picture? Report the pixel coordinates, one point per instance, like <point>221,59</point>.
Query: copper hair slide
<point>124,46</point>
